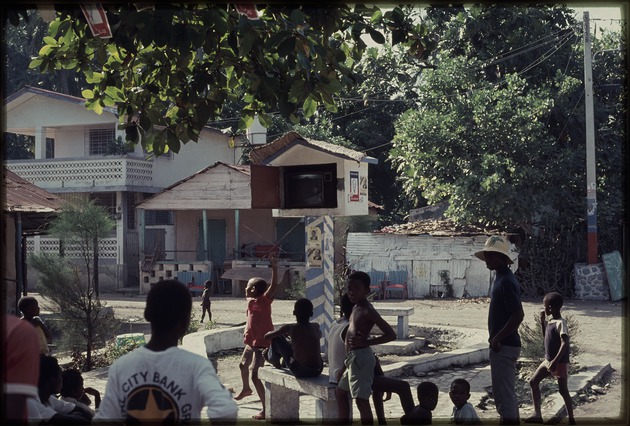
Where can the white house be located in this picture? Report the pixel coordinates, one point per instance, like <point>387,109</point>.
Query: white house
<point>71,160</point>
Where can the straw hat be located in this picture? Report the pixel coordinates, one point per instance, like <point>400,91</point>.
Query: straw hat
<point>498,244</point>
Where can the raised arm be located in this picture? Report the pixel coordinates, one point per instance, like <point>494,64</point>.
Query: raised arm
<point>271,290</point>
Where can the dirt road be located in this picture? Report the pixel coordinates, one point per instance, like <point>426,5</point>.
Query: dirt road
<point>601,336</point>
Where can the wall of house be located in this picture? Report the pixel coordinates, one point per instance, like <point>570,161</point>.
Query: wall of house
<point>192,157</point>
<point>9,288</point>
<point>423,257</point>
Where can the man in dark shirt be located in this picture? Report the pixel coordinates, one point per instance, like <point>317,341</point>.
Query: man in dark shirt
<point>504,317</point>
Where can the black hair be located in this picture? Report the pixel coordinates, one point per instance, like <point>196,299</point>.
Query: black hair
<point>427,390</point>
<point>72,379</point>
<point>360,276</point>
<point>462,382</point>
<point>168,304</point>
<point>26,302</point>
<point>260,285</point>
<point>207,284</point>
<point>554,299</point>
<point>303,310</point>
<point>48,369</point>
<point>346,305</point>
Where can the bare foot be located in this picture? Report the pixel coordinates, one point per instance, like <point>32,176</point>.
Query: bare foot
<point>533,419</point>
<point>243,394</point>
<point>259,416</point>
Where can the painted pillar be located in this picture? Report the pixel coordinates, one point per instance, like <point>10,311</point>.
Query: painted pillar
<point>320,271</point>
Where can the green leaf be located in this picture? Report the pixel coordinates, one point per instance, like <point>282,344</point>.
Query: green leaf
<point>309,106</point>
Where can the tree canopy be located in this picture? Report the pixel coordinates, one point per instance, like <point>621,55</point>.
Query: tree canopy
<point>170,69</point>
<point>498,131</point>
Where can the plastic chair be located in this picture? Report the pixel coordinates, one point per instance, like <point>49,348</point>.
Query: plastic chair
<point>377,279</point>
<point>396,283</point>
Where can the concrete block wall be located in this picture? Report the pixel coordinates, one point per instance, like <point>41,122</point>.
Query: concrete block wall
<point>166,270</point>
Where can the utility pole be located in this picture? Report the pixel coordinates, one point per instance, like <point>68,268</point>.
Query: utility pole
<point>591,188</point>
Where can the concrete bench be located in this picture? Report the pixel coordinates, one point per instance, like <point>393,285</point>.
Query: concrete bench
<point>282,392</point>
<point>401,312</point>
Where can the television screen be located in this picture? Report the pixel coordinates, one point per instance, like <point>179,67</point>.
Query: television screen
<point>310,187</point>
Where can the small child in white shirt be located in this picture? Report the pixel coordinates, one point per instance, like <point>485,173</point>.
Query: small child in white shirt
<point>463,411</point>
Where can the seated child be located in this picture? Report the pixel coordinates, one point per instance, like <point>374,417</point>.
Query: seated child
<point>463,411</point>
<point>302,355</point>
<point>46,408</point>
<point>427,401</point>
<point>72,390</point>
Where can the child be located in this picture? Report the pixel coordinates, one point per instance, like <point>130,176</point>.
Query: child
<point>427,401</point>
<point>29,307</point>
<point>159,382</point>
<point>556,362</point>
<point>46,408</point>
<point>72,390</point>
<point>302,355</point>
<point>259,298</point>
<point>381,384</point>
<point>205,301</point>
<point>463,411</point>
<point>360,360</point>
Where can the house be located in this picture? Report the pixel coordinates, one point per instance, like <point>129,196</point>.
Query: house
<point>228,216</point>
<point>27,211</point>
<point>74,158</point>
<point>435,253</point>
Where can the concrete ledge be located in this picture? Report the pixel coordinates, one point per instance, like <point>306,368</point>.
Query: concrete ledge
<point>428,362</point>
<point>319,387</point>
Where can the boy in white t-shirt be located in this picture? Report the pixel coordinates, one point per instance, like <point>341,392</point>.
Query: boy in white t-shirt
<point>160,383</point>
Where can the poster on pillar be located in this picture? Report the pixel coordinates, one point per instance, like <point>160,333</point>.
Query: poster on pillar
<point>314,246</point>
<point>354,186</point>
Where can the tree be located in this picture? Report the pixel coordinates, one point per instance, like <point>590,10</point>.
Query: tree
<point>71,286</point>
<point>169,70</point>
<point>498,131</point>
<point>80,226</point>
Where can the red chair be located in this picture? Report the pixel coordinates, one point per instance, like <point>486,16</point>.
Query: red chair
<point>396,283</point>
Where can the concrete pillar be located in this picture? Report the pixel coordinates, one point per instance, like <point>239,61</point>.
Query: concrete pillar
<point>40,143</point>
<point>320,271</point>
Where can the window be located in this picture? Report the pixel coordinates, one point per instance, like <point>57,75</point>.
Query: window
<point>158,217</point>
<point>100,141</point>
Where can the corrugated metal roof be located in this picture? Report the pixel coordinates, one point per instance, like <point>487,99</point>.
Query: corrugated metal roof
<point>262,153</point>
<point>35,207</point>
<point>22,196</point>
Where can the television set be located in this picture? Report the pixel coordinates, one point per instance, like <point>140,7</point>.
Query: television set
<point>310,186</point>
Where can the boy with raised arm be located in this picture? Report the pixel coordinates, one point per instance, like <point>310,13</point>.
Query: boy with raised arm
<point>360,360</point>
<point>259,298</point>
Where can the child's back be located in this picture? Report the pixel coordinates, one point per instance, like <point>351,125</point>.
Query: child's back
<point>305,342</point>
<point>159,381</point>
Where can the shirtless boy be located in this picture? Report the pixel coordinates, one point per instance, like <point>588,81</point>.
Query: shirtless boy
<point>302,355</point>
<point>360,361</point>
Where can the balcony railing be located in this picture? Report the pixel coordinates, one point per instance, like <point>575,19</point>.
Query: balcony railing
<point>85,172</point>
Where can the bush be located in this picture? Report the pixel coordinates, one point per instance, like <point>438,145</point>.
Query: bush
<point>533,343</point>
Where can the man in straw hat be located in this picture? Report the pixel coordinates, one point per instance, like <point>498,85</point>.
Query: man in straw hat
<point>504,317</point>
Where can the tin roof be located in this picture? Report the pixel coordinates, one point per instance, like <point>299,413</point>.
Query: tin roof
<point>35,205</point>
<point>437,228</point>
